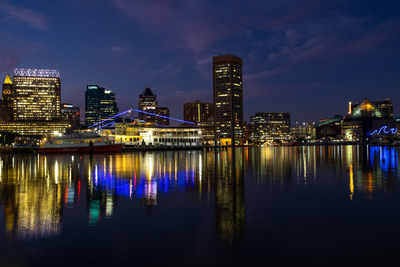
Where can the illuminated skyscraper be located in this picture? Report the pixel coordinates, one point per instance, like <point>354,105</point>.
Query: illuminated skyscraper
<point>7,98</point>
<point>228,99</point>
<point>148,103</point>
<point>147,100</point>
<point>33,103</point>
<point>6,103</point>
<point>36,95</point>
<point>100,104</point>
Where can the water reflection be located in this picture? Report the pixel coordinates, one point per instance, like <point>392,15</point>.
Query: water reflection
<point>229,195</point>
<point>35,190</point>
<point>31,194</point>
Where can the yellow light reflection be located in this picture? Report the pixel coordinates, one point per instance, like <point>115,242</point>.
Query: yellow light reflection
<point>351,182</point>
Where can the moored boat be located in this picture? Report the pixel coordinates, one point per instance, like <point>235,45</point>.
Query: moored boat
<point>87,142</point>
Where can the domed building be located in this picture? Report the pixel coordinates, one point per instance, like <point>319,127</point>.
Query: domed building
<point>368,123</point>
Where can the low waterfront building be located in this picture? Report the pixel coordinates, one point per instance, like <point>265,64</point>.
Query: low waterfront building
<point>385,105</point>
<point>366,122</point>
<point>329,128</point>
<point>303,130</point>
<point>148,135</point>
<point>37,128</point>
<point>369,123</point>
<point>270,127</point>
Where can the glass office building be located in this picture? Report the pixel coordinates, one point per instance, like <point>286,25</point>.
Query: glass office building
<point>100,104</point>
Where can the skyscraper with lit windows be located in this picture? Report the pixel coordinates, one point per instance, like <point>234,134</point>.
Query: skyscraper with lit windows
<point>100,104</point>
<point>6,103</point>
<point>148,103</point>
<point>228,99</point>
<point>33,101</point>
<point>36,95</point>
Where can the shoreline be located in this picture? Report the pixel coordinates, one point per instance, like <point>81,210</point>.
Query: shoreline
<point>30,150</point>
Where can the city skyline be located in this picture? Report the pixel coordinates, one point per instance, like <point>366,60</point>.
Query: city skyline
<point>297,57</point>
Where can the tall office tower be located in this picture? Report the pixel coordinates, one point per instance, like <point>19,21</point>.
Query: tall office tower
<point>6,105</point>
<point>36,95</point>
<point>198,112</point>
<point>71,114</point>
<point>35,101</point>
<point>147,100</point>
<point>148,103</point>
<point>100,104</point>
<point>228,99</point>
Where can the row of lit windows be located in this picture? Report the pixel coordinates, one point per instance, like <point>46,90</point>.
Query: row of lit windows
<point>175,140</point>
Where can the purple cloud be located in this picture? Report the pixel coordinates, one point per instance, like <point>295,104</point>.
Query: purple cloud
<point>196,25</point>
<point>323,39</point>
<point>119,49</point>
<point>27,16</point>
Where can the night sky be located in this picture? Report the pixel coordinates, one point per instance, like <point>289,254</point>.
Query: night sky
<point>305,57</point>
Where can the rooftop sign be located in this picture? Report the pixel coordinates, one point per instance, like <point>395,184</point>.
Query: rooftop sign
<point>37,73</point>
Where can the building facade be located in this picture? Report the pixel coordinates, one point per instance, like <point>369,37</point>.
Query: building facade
<point>72,115</point>
<point>152,113</point>
<point>270,127</point>
<point>369,123</point>
<point>100,104</point>
<point>35,103</point>
<point>198,112</point>
<point>36,95</point>
<point>385,105</point>
<point>329,129</point>
<point>228,99</point>
<point>303,130</point>
<point>150,135</point>
<point>36,128</point>
<point>7,100</point>
<point>202,114</point>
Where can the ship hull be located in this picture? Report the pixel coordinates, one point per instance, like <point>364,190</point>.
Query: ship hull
<point>82,149</point>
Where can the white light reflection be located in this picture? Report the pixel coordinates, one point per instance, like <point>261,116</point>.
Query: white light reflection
<point>56,172</point>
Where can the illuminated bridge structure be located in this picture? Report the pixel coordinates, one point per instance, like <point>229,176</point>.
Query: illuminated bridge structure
<point>111,120</point>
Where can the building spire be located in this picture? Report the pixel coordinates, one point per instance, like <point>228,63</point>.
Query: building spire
<point>8,80</point>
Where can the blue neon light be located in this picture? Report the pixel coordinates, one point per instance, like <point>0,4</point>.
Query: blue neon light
<point>161,116</point>
<point>105,125</point>
<point>385,130</point>
<point>141,111</point>
<point>119,114</point>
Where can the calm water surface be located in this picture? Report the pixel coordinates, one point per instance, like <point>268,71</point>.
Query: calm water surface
<point>336,205</point>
